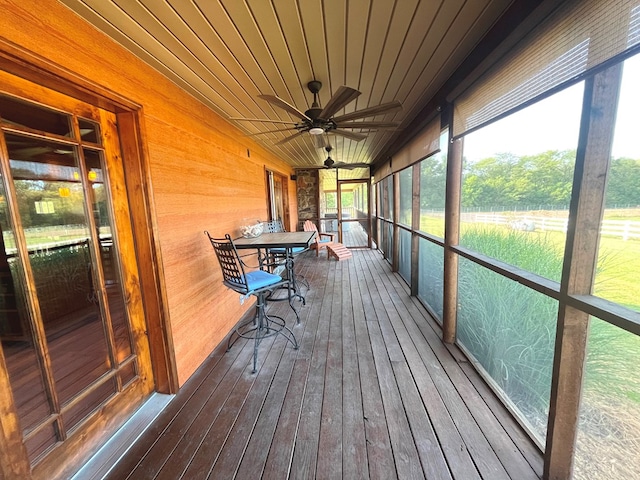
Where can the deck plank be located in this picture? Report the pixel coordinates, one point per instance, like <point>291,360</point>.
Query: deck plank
<point>305,453</point>
<point>228,435</point>
<point>255,456</point>
<point>380,454</point>
<point>330,443</point>
<point>371,393</point>
<point>278,463</point>
<point>354,450</point>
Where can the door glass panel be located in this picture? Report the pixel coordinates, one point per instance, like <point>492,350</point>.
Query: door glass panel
<point>110,269</point>
<point>127,373</point>
<point>89,131</point>
<point>17,113</point>
<point>18,345</point>
<point>38,441</point>
<point>78,410</point>
<point>51,205</point>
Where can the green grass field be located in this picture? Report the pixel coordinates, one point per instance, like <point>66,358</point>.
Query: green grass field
<point>618,273</point>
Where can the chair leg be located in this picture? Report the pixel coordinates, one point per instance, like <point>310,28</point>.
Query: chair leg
<point>256,341</point>
<point>264,325</point>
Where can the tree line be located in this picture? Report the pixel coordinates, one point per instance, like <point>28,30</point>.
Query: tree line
<point>526,182</point>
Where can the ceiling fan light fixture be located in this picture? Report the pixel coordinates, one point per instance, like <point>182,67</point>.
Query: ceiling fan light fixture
<point>316,131</point>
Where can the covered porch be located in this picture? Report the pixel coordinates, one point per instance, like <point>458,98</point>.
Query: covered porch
<point>372,392</point>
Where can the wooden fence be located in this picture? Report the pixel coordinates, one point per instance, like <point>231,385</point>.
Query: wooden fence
<point>626,229</point>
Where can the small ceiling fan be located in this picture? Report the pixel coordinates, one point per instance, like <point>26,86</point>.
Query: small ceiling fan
<point>331,163</point>
<point>317,120</point>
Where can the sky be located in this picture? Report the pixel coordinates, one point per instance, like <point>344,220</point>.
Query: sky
<point>553,123</point>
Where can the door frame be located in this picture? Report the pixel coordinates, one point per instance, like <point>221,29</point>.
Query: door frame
<point>153,302</point>
<point>271,207</point>
<point>341,220</point>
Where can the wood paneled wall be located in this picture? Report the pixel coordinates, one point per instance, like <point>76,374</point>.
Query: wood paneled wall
<point>204,174</point>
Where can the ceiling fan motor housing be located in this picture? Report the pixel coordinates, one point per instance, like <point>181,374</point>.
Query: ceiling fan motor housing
<point>314,86</point>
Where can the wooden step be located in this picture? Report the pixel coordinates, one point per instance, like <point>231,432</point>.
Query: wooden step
<point>339,251</point>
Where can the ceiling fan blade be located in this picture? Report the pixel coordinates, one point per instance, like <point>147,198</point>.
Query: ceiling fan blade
<point>368,125</point>
<point>263,120</point>
<point>278,102</point>
<point>350,135</point>
<point>292,137</point>
<point>351,166</point>
<point>370,112</point>
<point>343,96</point>
<point>271,131</point>
<point>311,167</point>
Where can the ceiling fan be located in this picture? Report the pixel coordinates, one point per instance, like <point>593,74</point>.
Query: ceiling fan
<point>331,163</point>
<point>317,120</point>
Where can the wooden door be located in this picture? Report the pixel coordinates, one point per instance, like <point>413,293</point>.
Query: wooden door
<point>74,362</point>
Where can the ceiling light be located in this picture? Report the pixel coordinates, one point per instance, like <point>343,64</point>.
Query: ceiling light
<point>316,131</point>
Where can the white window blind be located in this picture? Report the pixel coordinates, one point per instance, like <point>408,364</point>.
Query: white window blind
<point>576,38</point>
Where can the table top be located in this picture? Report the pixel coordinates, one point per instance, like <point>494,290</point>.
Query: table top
<point>276,240</point>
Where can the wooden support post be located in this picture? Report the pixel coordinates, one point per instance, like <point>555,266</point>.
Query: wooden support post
<point>395,257</point>
<point>415,226</point>
<point>581,256</point>
<point>451,238</point>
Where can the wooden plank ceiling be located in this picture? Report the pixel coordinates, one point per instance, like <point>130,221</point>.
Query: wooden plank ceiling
<point>227,52</point>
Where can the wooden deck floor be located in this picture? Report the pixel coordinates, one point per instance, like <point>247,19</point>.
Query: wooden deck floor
<point>372,392</point>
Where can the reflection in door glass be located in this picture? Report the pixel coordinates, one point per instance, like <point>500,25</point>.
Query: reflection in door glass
<point>17,342</point>
<point>24,114</point>
<point>110,269</point>
<point>89,131</point>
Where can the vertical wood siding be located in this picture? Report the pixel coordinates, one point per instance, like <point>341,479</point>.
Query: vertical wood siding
<point>205,175</point>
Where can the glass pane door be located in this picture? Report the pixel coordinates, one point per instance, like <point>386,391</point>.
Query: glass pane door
<point>64,324</point>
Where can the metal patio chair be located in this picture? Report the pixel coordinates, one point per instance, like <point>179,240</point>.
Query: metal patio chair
<point>259,283</point>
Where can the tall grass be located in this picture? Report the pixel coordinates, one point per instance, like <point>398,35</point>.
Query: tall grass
<point>508,328</point>
<point>537,252</point>
<point>608,445</point>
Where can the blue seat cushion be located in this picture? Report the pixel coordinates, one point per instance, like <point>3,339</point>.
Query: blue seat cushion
<point>259,279</point>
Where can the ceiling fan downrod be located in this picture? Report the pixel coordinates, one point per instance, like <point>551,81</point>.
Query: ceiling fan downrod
<point>313,113</point>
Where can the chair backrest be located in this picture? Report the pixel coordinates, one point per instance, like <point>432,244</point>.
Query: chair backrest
<point>233,275</point>
<point>274,226</point>
<point>309,226</point>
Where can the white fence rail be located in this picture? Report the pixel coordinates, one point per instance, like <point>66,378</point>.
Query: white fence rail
<point>626,229</point>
